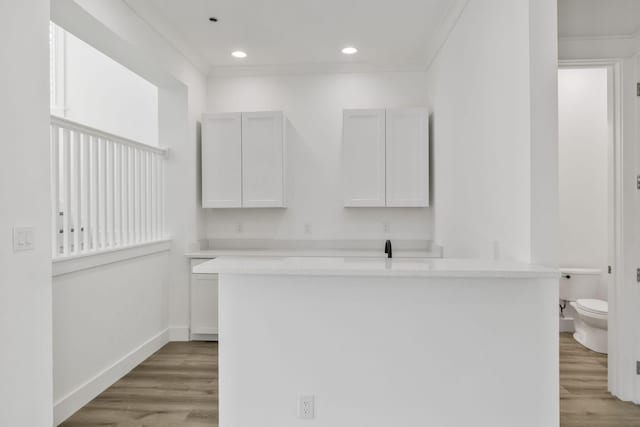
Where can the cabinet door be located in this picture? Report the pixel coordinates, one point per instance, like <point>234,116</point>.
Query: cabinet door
<point>363,166</point>
<point>204,304</point>
<point>221,161</point>
<point>263,160</point>
<point>407,152</point>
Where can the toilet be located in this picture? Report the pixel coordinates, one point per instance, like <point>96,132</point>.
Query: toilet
<point>579,287</point>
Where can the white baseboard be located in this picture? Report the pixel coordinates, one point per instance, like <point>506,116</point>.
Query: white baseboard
<point>204,337</point>
<point>69,404</point>
<point>180,333</point>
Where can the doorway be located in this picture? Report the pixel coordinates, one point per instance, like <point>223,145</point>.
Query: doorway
<point>590,167</point>
<point>585,182</point>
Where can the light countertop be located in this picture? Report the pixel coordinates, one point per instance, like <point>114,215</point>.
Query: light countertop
<point>363,253</point>
<point>363,266</point>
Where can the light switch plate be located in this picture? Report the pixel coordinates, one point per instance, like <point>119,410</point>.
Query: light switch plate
<point>23,239</point>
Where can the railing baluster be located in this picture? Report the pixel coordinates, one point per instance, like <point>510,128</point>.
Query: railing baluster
<point>77,195</point>
<point>55,191</point>
<point>110,195</point>
<point>120,195</point>
<point>114,195</point>
<point>152,197</point>
<point>129,190</point>
<point>66,193</point>
<point>154,212</point>
<point>86,192</point>
<point>136,171</point>
<point>143,196</point>
<point>147,196</point>
<point>161,206</point>
<point>95,185</point>
<point>103,193</point>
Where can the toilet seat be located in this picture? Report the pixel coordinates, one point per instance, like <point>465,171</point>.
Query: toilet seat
<point>594,306</point>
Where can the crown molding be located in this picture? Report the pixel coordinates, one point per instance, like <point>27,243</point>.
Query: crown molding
<point>580,47</point>
<point>311,68</point>
<point>597,38</point>
<point>158,22</point>
<point>448,21</point>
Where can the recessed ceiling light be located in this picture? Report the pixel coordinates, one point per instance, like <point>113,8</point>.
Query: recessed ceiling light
<point>349,50</point>
<point>238,54</point>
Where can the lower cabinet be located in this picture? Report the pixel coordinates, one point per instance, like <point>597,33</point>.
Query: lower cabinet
<point>204,305</point>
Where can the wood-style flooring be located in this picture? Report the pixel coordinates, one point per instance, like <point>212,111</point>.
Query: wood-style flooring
<point>584,399</point>
<point>178,387</point>
<point>175,387</point>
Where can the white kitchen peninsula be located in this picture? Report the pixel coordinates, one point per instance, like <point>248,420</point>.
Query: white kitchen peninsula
<point>376,342</point>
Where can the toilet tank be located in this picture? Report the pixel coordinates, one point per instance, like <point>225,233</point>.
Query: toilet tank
<point>579,283</point>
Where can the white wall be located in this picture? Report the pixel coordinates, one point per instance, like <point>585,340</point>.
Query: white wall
<point>25,277</point>
<point>583,160</point>
<point>543,90</point>
<point>103,94</point>
<point>101,318</point>
<point>486,124</point>
<point>117,30</point>
<point>313,107</point>
<point>480,102</point>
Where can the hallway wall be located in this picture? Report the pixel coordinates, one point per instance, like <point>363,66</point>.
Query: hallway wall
<point>25,200</point>
<point>160,281</point>
<point>105,321</point>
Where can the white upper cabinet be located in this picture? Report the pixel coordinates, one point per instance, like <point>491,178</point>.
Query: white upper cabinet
<point>262,160</point>
<point>363,158</point>
<point>385,158</point>
<point>243,160</point>
<point>221,160</point>
<point>407,155</point>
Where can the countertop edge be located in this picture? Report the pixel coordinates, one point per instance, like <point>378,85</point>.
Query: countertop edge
<point>440,268</point>
<point>406,274</point>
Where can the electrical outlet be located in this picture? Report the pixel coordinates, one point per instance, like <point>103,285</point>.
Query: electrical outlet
<point>308,228</point>
<point>239,227</point>
<point>306,407</point>
<point>386,227</point>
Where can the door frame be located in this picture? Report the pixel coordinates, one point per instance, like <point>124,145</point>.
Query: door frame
<point>614,67</point>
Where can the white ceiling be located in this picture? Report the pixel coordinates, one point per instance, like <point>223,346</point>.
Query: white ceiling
<point>398,33</point>
<point>598,18</point>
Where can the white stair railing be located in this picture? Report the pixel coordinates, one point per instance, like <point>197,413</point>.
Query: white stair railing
<point>107,191</point>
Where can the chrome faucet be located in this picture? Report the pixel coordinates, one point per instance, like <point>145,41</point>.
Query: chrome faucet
<point>387,249</point>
